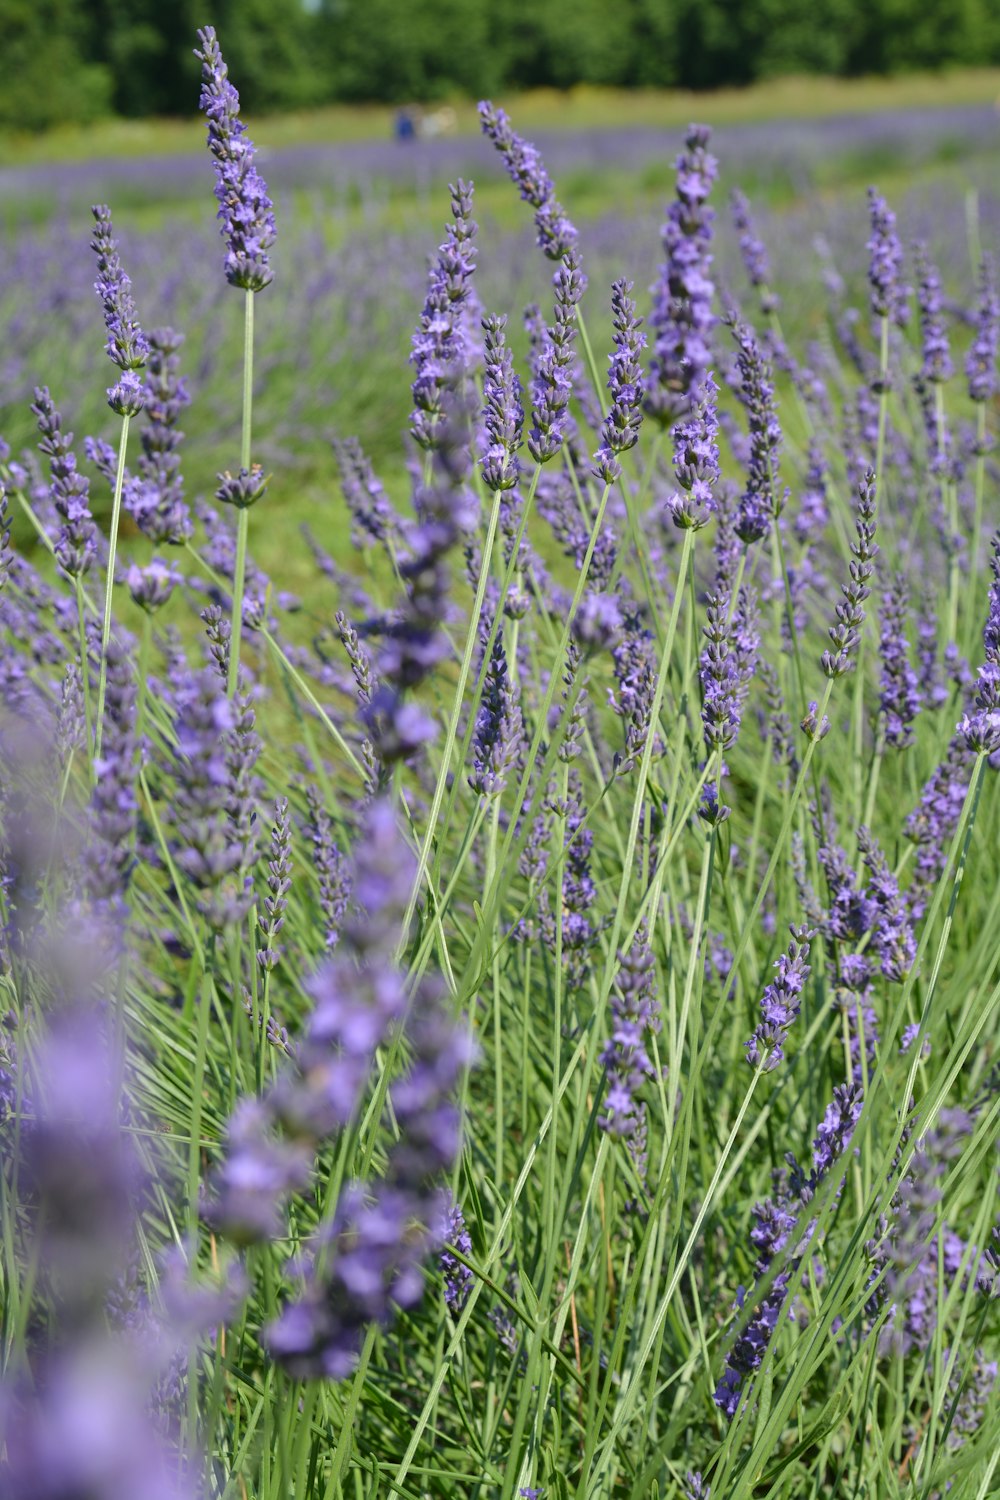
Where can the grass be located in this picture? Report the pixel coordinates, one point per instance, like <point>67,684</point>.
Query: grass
<point>573,109</point>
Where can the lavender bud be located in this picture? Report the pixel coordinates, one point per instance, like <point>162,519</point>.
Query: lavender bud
<point>245,210</point>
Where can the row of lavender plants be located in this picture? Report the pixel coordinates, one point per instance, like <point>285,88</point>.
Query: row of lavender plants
<point>534,1036</point>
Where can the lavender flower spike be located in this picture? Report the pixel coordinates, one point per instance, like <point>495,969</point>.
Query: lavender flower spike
<point>937,366</point>
<point>682,318</point>
<point>621,426</point>
<point>440,352</point>
<point>760,503</point>
<point>846,634</point>
<point>503,412</point>
<point>127,346</point>
<point>526,169</point>
<point>981,361</point>
<point>76,544</point>
<point>245,209</point>
<point>980,730</point>
<point>753,251</point>
<point>498,732</point>
<point>696,461</point>
<point>889,295</point>
<point>780,1003</point>
<point>901,697</point>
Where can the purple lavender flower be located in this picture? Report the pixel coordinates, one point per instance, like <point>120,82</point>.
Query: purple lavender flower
<point>813,512</point>
<point>981,361</point>
<point>933,821</point>
<point>371,511</point>
<point>635,1011</point>
<point>980,730</point>
<point>496,741</point>
<point>620,430</point>
<point>373,1245</point>
<point>597,624</point>
<point>851,910</point>
<point>440,352</point>
<point>696,461</point>
<point>113,805</point>
<point>776,1234</point>
<point>634,663</point>
<point>330,867</point>
<point>900,695</point>
<point>127,346</point>
<point>760,501</point>
<point>76,544</point>
<point>246,1198</point>
<point>245,210</point>
<point>682,319</point>
<point>209,852</point>
<point>279,883</point>
<point>937,364</point>
<point>846,634</point>
<point>154,496</point>
<point>552,380</point>
<point>84,1428</point>
<point>780,1003</point>
<point>242,489</point>
<point>753,252</point>
<point>556,235</point>
<point>413,643</point>
<point>889,295</point>
<point>458,1279</point>
<point>152,585</point>
<point>893,943</point>
<point>727,666</point>
<point>503,411</point>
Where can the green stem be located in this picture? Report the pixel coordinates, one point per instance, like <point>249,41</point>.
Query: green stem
<point>109,582</point>
<point>472,638</point>
<point>243,523</point>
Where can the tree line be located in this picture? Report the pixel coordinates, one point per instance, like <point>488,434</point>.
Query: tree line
<point>67,61</point>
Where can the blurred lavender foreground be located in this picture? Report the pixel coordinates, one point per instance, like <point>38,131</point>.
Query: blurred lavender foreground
<point>516,1015</point>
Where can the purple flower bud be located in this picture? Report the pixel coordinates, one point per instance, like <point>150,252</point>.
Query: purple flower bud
<point>900,695</point>
<point>937,365</point>
<point>440,351</point>
<point>556,235</point>
<point>497,739</point>
<point>76,544</point>
<point>696,461</point>
<point>503,411</point>
<point>981,361</point>
<point>243,489</point>
<point>753,252</point>
<point>682,319</point>
<point>780,1003</point>
<point>620,430</point>
<point>127,346</point>
<point>245,210</point>
<point>846,634</point>
<point>760,502</point>
<point>889,295</point>
<point>152,585</point>
<point>126,396</point>
<point>634,1012</point>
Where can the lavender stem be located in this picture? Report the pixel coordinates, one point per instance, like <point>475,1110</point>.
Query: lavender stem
<point>109,583</point>
<point>243,519</point>
<point>452,732</point>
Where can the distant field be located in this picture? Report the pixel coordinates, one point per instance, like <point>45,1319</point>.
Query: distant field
<point>786,98</point>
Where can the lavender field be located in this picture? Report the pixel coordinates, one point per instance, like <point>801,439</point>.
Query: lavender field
<point>498,815</point>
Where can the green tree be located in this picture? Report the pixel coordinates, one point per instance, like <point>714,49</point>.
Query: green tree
<point>47,79</point>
